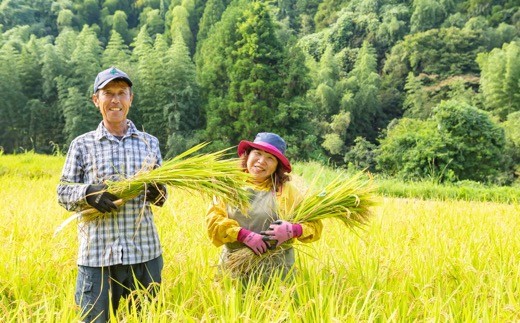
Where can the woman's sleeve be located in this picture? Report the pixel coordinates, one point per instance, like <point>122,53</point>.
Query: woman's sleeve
<point>221,229</point>
<point>289,199</point>
<point>311,231</point>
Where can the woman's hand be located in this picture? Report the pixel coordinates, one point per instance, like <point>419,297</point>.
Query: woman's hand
<point>281,231</point>
<point>253,240</point>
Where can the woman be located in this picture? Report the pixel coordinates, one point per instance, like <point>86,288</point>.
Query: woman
<point>271,195</point>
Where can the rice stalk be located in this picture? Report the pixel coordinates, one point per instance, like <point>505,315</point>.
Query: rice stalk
<point>209,174</point>
<point>245,262</point>
<point>345,199</point>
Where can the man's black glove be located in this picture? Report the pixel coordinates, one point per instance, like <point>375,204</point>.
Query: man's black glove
<point>155,193</point>
<point>100,199</point>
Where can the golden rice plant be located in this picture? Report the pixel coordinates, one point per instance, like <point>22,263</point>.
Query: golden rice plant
<point>210,174</point>
<point>346,199</point>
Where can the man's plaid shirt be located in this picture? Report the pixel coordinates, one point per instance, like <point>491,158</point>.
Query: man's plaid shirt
<point>128,236</point>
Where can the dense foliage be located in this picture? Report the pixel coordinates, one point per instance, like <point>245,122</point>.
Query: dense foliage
<point>458,142</point>
<point>396,86</point>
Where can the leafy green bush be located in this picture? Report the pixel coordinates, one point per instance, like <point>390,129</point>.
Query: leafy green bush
<point>459,142</point>
<point>512,130</point>
<point>474,143</point>
<point>413,150</point>
<point>361,155</point>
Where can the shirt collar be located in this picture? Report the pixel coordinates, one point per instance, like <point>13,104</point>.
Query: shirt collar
<point>102,132</point>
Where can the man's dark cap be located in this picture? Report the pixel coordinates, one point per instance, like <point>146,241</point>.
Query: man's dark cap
<point>108,75</point>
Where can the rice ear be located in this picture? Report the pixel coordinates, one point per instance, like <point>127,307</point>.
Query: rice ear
<point>346,199</point>
<point>210,174</point>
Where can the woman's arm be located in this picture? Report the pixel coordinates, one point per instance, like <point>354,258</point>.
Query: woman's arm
<point>221,229</point>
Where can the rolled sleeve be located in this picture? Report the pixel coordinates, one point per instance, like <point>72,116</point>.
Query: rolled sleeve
<point>221,229</point>
<point>289,200</point>
<point>311,231</point>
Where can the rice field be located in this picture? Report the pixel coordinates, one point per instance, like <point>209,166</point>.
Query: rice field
<point>435,261</point>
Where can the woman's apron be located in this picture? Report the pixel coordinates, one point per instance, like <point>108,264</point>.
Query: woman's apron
<point>262,212</point>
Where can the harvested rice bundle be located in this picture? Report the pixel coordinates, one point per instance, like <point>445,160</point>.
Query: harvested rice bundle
<point>209,174</point>
<point>345,199</point>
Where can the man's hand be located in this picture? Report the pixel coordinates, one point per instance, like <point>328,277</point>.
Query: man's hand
<point>155,194</point>
<point>100,199</point>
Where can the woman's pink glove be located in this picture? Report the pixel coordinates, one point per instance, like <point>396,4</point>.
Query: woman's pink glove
<point>282,231</point>
<point>253,241</point>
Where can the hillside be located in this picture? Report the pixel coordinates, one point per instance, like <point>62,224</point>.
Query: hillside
<point>414,89</point>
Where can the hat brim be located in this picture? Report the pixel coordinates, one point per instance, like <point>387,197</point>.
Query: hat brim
<point>245,145</point>
<point>122,78</point>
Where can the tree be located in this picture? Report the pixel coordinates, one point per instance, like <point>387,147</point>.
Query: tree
<point>334,141</point>
<point>36,14</point>
<point>352,29</point>
<point>427,14</point>
<point>141,45</point>
<point>29,67</point>
<point>416,103</point>
<point>116,53</point>
<point>413,149</point>
<point>212,13</point>
<point>79,114</point>
<point>500,79</point>
<point>183,114</point>
<point>474,142</point>
<point>180,25</point>
<point>44,127</point>
<point>248,82</point>
<point>255,76</point>
<point>213,62</point>
<point>56,62</point>
<point>327,13</point>
<point>153,20</point>
<point>459,142</point>
<point>512,131</point>
<point>363,104</point>
<point>326,98</point>
<point>88,10</point>
<point>65,19</point>
<point>361,156</point>
<point>142,60</point>
<point>51,68</point>
<point>120,25</point>
<point>74,90</point>
<point>393,27</point>
<point>444,52</point>
<point>150,86</point>
<point>13,120</point>
<point>85,59</point>
<point>327,95</point>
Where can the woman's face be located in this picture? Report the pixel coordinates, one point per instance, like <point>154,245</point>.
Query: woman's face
<point>261,165</point>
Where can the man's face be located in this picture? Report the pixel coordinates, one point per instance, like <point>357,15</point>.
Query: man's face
<point>114,101</point>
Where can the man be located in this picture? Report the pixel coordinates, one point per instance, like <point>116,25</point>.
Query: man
<point>120,251</point>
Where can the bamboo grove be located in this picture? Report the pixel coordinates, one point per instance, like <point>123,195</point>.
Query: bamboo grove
<point>416,89</point>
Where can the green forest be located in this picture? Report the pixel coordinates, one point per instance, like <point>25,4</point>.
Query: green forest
<point>409,89</point>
